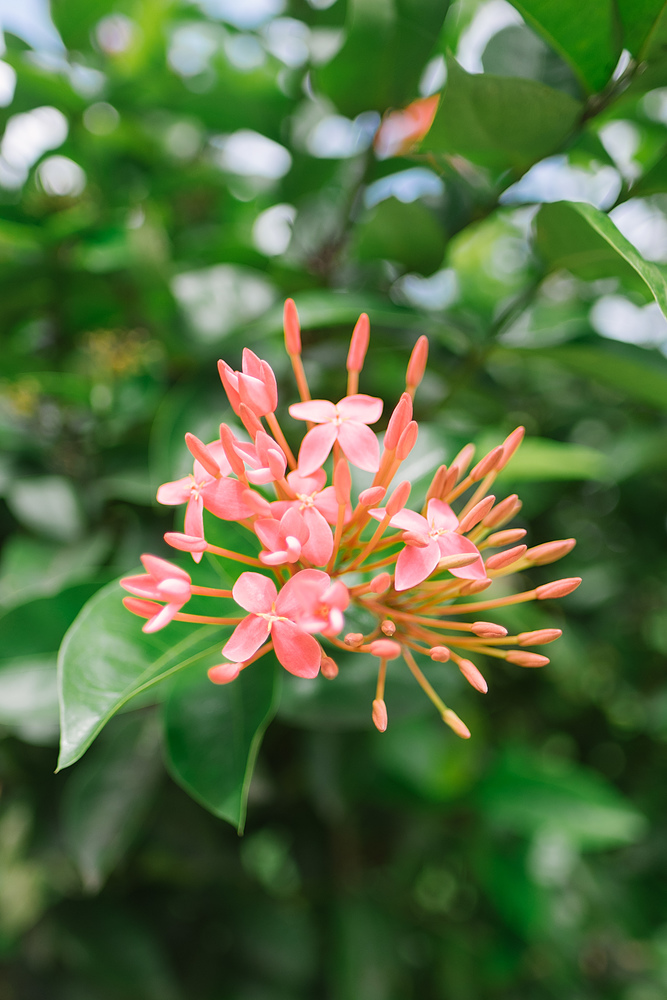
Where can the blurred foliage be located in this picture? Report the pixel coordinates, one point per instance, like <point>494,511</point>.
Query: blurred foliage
<point>169,173</point>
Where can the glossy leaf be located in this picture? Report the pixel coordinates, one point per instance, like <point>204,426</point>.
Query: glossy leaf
<point>499,121</point>
<point>640,20</point>
<point>214,733</point>
<point>582,239</point>
<point>518,51</point>
<point>409,234</point>
<point>105,660</point>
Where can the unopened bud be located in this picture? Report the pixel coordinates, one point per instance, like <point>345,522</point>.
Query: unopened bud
<point>473,676</point>
<point>463,459</point>
<point>458,725</point>
<point>380,583</point>
<point>435,490</point>
<point>380,715</point>
<point>503,511</point>
<point>523,659</point>
<point>186,543</point>
<point>510,445</point>
<point>440,654</point>
<point>558,588</point>
<point>353,639</point>
<point>201,454</point>
<point>475,515</point>
<point>329,668</point>
<point>475,586</point>
<point>358,344</point>
<point>398,421</point>
<point>489,630</point>
<point>506,558</point>
<point>540,637</point>
<point>487,464</point>
<point>372,496</point>
<point>458,560</point>
<point>145,609</point>
<point>507,537</point>
<point>407,441</point>
<point>398,499</point>
<point>251,421</point>
<point>227,440</point>
<point>342,482</point>
<point>548,552</point>
<point>292,328</point>
<point>417,363</point>
<point>388,627</point>
<point>450,480</point>
<point>385,649</point>
<point>224,673</point>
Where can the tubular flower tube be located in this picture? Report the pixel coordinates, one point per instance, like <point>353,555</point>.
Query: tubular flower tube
<point>323,544</point>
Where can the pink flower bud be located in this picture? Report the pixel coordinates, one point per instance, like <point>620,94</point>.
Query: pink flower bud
<point>473,676</point>
<point>200,452</point>
<point>144,609</point>
<point>463,459</point>
<point>540,637</point>
<point>353,639</point>
<point>228,441</point>
<point>372,496</point>
<point>342,482</point>
<point>510,445</point>
<point>292,328</point>
<point>475,586</point>
<point>380,583</point>
<point>505,537</point>
<point>440,654</point>
<point>398,499</point>
<point>398,421</point>
<point>224,673</point>
<point>542,555</point>
<point>251,421</point>
<point>523,659</point>
<point>487,464</point>
<point>388,628</point>
<point>358,344</point>
<point>456,724</point>
<point>417,363</point>
<point>558,588</point>
<point>407,441</point>
<point>503,559</point>
<point>385,649</point>
<point>475,515</point>
<point>503,511</point>
<point>421,541</point>
<point>328,668</point>
<point>435,490</point>
<point>380,714</point>
<point>489,630</point>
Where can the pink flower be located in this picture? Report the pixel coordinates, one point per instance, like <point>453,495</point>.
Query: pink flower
<point>344,422</point>
<point>254,385</point>
<point>163,582</point>
<point>318,507</point>
<point>284,539</point>
<point>265,457</point>
<point>273,613</point>
<point>317,603</point>
<point>431,538</point>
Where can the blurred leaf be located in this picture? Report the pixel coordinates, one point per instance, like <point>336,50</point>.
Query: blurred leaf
<point>640,19</point>
<point>524,794</point>
<point>518,51</point>
<point>584,33</point>
<point>108,796</point>
<point>382,59</point>
<point>29,698</point>
<point>105,660</point>
<point>409,234</point>
<point>214,733</point>
<point>654,181</point>
<point>583,240</point>
<point>499,121</point>
<point>20,637</point>
<point>48,505</point>
<point>542,459</point>
<point>29,567</point>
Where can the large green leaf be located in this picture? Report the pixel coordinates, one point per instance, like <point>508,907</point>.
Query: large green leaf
<point>500,121</point>
<point>214,733</point>
<point>586,34</point>
<point>516,50</point>
<point>582,239</point>
<point>640,20</point>
<point>409,234</point>
<point>387,45</point>
<point>105,660</point>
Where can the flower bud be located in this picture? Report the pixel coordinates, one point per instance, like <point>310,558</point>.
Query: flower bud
<point>558,588</point>
<point>385,649</point>
<point>475,514</point>
<point>523,659</point>
<point>353,639</point>
<point>358,344</point>
<point>407,441</point>
<point>398,499</point>
<point>489,630</point>
<point>417,364</point>
<point>223,673</point>
<point>463,459</point>
<point>503,511</point>
<point>540,637</point>
<point>435,490</point>
<point>372,496</point>
<point>380,715</point>
<point>506,558</point>
<point>251,421</point>
<point>473,676</point>
<point>440,654</point>
<point>475,586</point>
<point>548,552</point>
<point>505,537</point>
<point>292,328</point>
<point>458,725</point>
<point>200,452</point>
<point>380,583</point>
<point>228,440</point>
<point>487,464</point>
<point>398,421</point>
<point>510,445</point>
<point>329,668</point>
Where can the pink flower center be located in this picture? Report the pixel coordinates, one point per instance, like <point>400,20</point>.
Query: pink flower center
<point>196,487</point>
<point>306,500</point>
<point>271,616</point>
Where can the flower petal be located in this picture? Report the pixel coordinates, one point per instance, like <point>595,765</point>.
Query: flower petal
<point>176,492</point>
<point>409,520</point>
<point>364,409</point>
<point>246,638</point>
<point>162,618</point>
<point>360,445</point>
<point>254,592</point>
<point>318,410</point>
<point>307,484</point>
<point>297,651</point>
<point>224,498</point>
<point>315,447</point>
<point>451,544</point>
<point>319,545</point>
<point>141,586</point>
<point>440,515</point>
<point>414,565</point>
<point>301,591</point>
<point>160,569</point>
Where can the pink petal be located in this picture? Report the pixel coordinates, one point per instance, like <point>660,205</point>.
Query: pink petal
<point>326,503</point>
<point>414,565</point>
<point>317,410</point>
<point>224,498</point>
<point>230,383</point>
<point>297,651</point>
<point>176,492</point>
<point>307,484</point>
<point>255,395</point>
<point>410,520</point>
<point>364,409</point>
<point>254,592</point>
<point>337,596</point>
<point>440,515</point>
<point>194,517</point>
<point>140,586</point>
<point>174,591</point>
<point>251,364</point>
<point>163,570</point>
<point>319,546</point>
<point>246,638</point>
<point>268,531</point>
<point>315,447</point>
<point>451,544</point>
<point>301,591</point>
<point>360,445</point>
<point>162,618</point>
<point>292,523</point>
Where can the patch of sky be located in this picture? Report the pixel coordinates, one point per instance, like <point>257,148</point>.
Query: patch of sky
<point>617,318</point>
<point>641,221</point>
<point>335,137</point>
<point>250,154</point>
<point>406,186</point>
<point>272,230</point>
<point>555,179</point>
<point>242,14</point>
<point>489,19</point>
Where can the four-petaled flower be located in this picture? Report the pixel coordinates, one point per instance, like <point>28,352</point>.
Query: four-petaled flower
<point>162,582</point>
<point>345,422</point>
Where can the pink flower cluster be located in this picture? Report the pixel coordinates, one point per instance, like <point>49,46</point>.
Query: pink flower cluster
<point>319,549</point>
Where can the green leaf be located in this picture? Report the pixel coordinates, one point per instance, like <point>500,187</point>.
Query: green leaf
<point>214,733</point>
<point>640,21</point>
<point>409,234</point>
<point>583,240</point>
<point>105,660</point>
<point>20,637</point>
<point>29,698</point>
<point>542,459</point>
<point>516,50</point>
<point>654,181</point>
<point>387,45</point>
<point>585,34</point>
<point>499,121</point>
<point>108,795</point>
<point>526,795</point>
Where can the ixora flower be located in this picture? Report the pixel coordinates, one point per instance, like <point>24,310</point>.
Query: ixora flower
<point>417,574</point>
